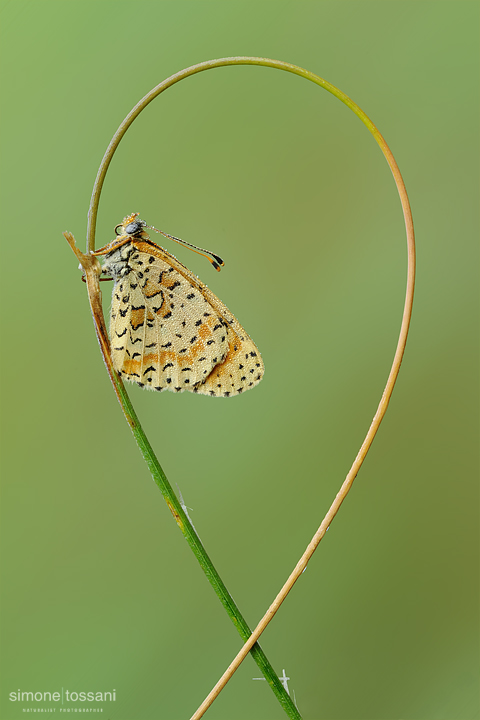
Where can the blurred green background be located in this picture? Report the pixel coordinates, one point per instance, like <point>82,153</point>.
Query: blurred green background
<point>100,590</point>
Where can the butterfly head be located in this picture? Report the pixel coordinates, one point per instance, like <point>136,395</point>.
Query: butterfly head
<point>132,226</point>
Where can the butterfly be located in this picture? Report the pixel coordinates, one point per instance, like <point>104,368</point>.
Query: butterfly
<point>168,331</point>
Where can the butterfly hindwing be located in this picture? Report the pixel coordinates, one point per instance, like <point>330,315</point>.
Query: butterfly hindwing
<point>170,336</point>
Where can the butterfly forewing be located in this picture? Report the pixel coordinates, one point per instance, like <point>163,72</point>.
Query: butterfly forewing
<point>169,331</point>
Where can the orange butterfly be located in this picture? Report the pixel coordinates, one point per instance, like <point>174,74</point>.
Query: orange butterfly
<point>168,331</point>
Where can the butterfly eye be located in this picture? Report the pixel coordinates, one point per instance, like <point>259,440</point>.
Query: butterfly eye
<point>133,228</point>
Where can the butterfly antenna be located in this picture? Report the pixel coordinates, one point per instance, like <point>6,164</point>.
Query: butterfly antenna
<point>216,260</point>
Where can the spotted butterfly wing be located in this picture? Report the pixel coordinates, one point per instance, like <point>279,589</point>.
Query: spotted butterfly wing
<point>167,329</point>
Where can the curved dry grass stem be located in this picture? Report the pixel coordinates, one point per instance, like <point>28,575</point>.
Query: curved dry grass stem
<point>382,407</point>
<point>381,410</point>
